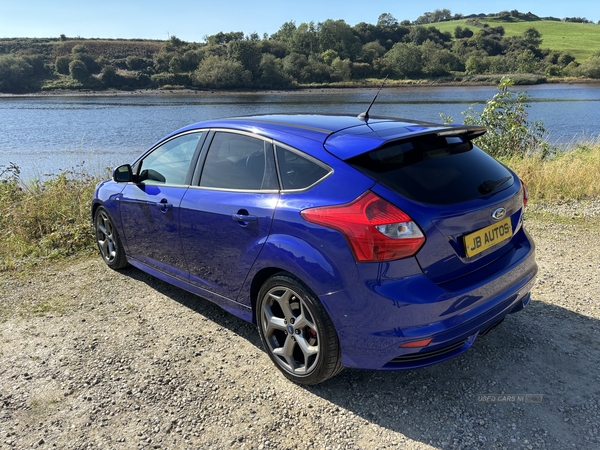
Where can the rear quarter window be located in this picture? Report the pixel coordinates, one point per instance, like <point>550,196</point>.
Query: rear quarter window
<point>299,171</point>
<point>435,170</point>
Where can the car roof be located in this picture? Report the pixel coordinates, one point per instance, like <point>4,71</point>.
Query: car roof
<point>344,136</point>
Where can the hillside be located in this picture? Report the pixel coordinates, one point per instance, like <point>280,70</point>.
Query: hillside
<point>330,53</point>
<point>50,48</point>
<point>579,39</point>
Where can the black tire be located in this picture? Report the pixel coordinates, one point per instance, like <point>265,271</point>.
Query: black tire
<point>108,241</point>
<point>296,331</point>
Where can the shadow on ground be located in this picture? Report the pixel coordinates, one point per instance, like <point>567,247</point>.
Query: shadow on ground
<point>538,371</point>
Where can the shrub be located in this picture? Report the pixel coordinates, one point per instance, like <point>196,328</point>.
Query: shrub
<point>15,73</point>
<point>509,133</point>
<point>219,73</point>
<point>44,218</point>
<point>61,65</point>
<point>78,70</point>
<point>591,67</point>
<point>136,63</point>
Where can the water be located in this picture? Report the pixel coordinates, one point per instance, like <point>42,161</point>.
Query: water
<point>45,135</point>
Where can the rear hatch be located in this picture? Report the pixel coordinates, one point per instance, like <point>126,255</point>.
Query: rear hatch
<point>468,204</point>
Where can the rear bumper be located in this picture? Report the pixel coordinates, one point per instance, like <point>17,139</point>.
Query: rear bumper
<point>385,311</point>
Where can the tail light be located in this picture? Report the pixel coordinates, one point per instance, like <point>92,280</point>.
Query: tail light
<point>525,194</point>
<point>375,229</point>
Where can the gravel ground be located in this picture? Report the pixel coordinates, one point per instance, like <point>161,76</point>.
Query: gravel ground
<point>91,358</point>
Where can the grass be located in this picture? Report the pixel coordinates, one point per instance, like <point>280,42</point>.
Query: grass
<point>44,220</point>
<point>579,39</point>
<point>568,175</point>
<point>41,221</point>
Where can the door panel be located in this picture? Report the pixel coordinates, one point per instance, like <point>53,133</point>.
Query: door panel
<point>150,216</point>
<point>222,234</point>
<point>150,206</point>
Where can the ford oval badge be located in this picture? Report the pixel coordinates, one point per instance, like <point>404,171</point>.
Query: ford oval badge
<point>499,213</point>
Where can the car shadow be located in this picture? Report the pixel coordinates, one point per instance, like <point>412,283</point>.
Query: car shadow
<point>540,367</point>
<point>199,305</point>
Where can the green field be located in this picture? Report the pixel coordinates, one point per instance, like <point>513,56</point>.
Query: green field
<point>579,39</point>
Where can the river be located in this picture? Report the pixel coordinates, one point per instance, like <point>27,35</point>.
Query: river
<point>44,135</point>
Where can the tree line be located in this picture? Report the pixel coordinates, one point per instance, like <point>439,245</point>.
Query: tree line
<point>296,55</point>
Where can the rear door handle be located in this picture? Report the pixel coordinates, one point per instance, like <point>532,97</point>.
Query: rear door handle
<point>164,205</point>
<point>244,219</point>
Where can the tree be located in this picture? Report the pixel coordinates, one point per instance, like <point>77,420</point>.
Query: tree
<point>438,61</point>
<point>371,51</point>
<point>286,32</point>
<point>293,65</point>
<point>224,38</point>
<point>247,53</point>
<point>476,64</point>
<point>175,64</point>
<point>328,56</point>
<point>305,39</point>
<point>136,63</point>
<point>591,67</point>
<point>386,20</point>
<point>61,65</point>
<point>341,70</point>
<point>219,73</point>
<point>78,70</point>
<point>15,73</point>
<point>533,37</point>
<point>403,60</point>
<point>81,53</point>
<point>338,35</point>
<point>460,32</point>
<point>271,73</point>
<point>527,62</point>
<point>109,76</point>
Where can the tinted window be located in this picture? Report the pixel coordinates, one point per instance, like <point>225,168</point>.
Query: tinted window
<point>298,172</point>
<point>169,163</point>
<point>435,170</point>
<point>236,161</point>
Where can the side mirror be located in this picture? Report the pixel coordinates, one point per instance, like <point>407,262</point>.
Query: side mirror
<point>123,174</point>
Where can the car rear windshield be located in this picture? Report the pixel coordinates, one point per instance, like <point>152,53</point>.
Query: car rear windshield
<point>435,170</point>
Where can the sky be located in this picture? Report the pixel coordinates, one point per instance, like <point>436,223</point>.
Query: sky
<point>192,20</point>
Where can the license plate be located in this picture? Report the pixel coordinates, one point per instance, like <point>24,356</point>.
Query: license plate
<point>487,237</point>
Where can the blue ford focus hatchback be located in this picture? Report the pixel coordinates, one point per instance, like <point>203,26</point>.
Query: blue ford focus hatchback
<point>373,243</point>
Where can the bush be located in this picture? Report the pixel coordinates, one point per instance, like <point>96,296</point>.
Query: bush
<point>78,70</point>
<point>15,73</point>
<point>44,219</point>
<point>219,73</point>
<point>509,133</point>
<point>272,75</point>
<point>403,60</point>
<point>136,63</point>
<point>61,65</point>
<point>591,67</point>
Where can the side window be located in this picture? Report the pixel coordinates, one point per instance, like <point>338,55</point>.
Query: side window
<point>298,172</point>
<point>169,163</point>
<point>237,161</point>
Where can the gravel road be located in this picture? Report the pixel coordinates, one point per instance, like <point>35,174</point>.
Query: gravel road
<point>91,358</point>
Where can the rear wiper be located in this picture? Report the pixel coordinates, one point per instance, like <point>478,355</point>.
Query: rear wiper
<point>490,185</point>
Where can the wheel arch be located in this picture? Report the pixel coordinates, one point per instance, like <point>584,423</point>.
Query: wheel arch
<point>257,282</point>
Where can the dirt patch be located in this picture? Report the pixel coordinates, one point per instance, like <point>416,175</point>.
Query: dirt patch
<point>92,358</point>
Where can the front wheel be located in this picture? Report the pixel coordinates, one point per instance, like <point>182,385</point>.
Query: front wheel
<point>108,241</point>
<point>297,331</point>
